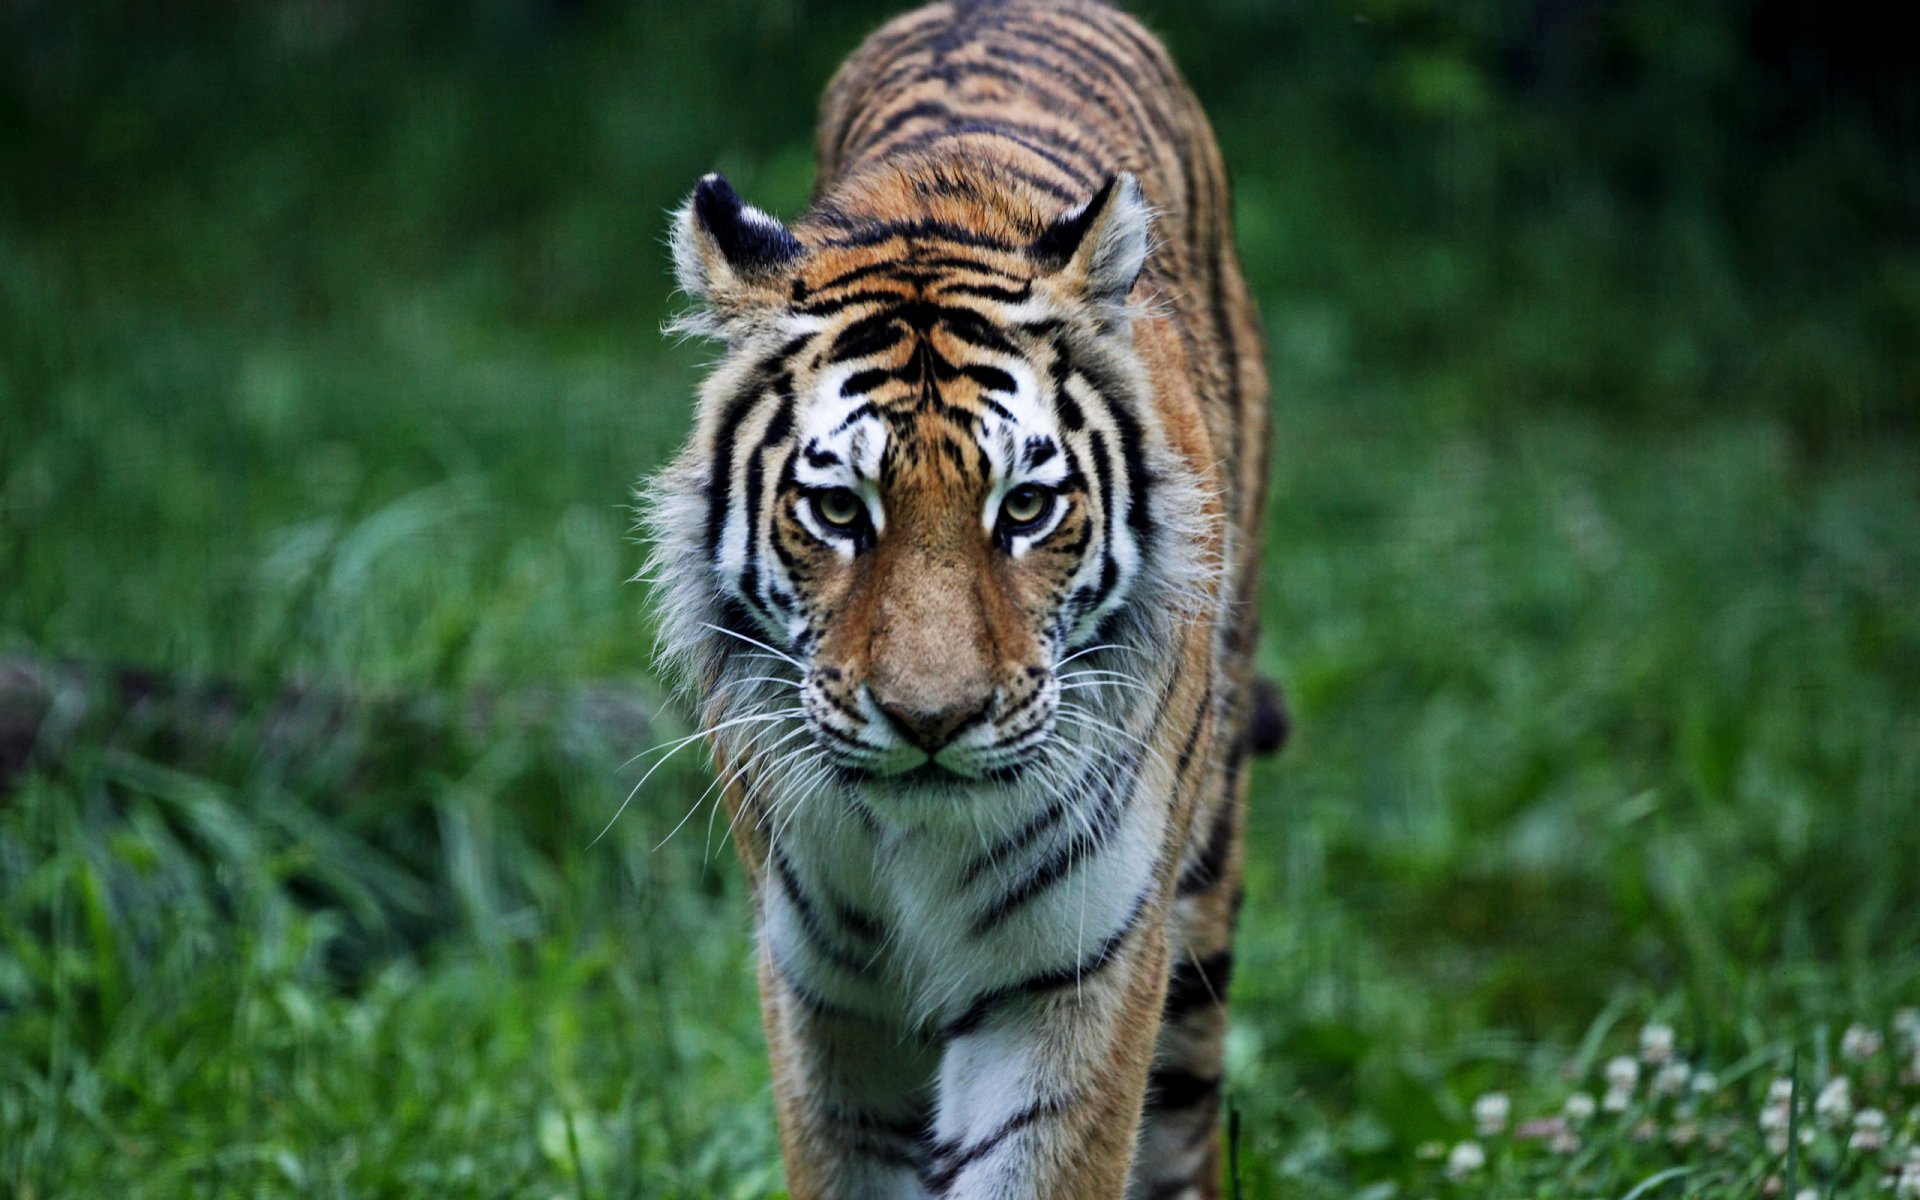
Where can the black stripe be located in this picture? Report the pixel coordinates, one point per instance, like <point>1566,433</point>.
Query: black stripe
<point>861,925</point>
<point>834,304</point>
<point>1139,479</point>
<point>1033,83</point>
<point>983,1005</point>
<point>1046,141</point>
<point>1192,742</point>
<point>1072,416</point>
<point>988,291</point>
<point>857,273</point>
<point>1019,840</point>
<point>951,1159</point>
<point>1194,985</point>
<point>999,410</point>
<point>868,336</point>
<point>844,738</point>
<point>858,414</point>
<point>720,475</point>
<point>884,88</point>
<point>991,378</point>
<point>865,232</point>
<point>1093,59</point>
<point>1123,28</point>
<point>919,110</point>
<point>810,924</point>
<point>814,1003</point>
<point>864,381</point>
<point>1115,402</point>
<point>1033,694</point>
<point>778,426</point>
<point>973,327</point>
<point>1203,872</point>
<point>1169,1089</point>
<point>1062,194</point>
<point>1103,476</point>
<point>898,1141</point>
<point>897,46</point>
<point>1104,820</point>
<point>1076,174</point>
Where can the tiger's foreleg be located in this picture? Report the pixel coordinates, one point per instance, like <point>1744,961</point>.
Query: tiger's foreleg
<point>1179,1156</point>
<point>1040,1098</point>
<point>850,1091</point>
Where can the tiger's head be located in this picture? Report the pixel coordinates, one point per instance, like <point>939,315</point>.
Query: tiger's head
<point>925,478</point>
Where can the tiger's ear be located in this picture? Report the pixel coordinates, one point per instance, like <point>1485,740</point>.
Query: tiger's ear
<point>1100,248</point>
<point>727,253</point>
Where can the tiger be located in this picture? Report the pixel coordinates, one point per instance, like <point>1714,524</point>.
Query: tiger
<point>959,562</point>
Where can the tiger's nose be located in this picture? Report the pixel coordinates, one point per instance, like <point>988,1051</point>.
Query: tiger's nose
<point>932,727</point>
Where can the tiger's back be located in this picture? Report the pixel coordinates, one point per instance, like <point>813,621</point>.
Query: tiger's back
<point>983,471</point>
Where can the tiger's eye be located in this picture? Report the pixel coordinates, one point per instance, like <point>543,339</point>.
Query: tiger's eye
<point>1026,505</point>
<point>839,507</point>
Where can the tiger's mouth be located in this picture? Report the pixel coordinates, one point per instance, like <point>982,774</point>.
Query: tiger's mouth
<point>933,776</point>
<point>964,746</point>
<point>928,775</point>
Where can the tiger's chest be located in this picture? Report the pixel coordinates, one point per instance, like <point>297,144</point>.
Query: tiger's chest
<point>921,927</point>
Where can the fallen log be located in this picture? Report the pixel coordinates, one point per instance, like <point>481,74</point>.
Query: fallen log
<point>50,707</point>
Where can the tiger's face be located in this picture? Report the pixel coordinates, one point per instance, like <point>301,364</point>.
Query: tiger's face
<point>929,527</point>
<point>922,481</point>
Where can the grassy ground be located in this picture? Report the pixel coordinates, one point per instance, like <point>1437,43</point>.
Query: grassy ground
<point>328,353</point>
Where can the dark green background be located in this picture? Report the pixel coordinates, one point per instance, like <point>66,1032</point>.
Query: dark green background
<point>329,351</point>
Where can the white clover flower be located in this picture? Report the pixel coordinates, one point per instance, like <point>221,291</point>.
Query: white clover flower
<point>1705,1083</point>
<point>1807,1194</point>
<point>1656,1044</point>
<point>1622,1074</point>
<point>1683,1134</point>
<point>1859,1043</point>
<point>1774,1117</point>
<point>1780,1092</point>
<point>1777,1143</point>
<point>1671,1079</point>
<point>1465,1159</point>
<point>1580,1106</point>
<point>1869,1130</point>
<point>1430,1151</point>
<point>1490,1113</point>
<point>1564,1142</point>
<point>1906,1023</point>
<point>1834,1104</point>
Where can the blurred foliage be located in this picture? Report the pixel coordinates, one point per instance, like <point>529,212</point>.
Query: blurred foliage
<point>328,351</point>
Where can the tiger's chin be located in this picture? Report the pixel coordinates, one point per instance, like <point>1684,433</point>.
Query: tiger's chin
<point>933,777</point>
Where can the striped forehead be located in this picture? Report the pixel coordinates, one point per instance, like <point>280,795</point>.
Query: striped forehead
<point>844,431</point>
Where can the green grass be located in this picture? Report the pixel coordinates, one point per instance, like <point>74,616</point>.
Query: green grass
<point>328,355</point>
